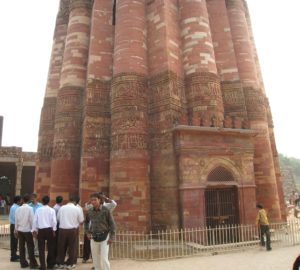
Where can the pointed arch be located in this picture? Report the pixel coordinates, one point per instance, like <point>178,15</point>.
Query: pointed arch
<point>220,174</point>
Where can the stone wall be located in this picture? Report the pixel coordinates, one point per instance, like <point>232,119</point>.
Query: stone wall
<point>139,91</point>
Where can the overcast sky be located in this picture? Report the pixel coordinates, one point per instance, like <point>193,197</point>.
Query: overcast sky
<point>26,39</point>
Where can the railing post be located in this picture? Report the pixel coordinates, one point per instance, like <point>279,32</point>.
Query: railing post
<point>181,232</point>
<point>151,254</point>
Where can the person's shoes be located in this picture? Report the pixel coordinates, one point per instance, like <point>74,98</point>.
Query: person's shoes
<point>93,268</point>
<point>24,265</point>
<point>15,259</point>
<point>84,261</point>
<point>52,266</point>
<point>269,249</point>
<point>60,266</point>
<point>71,266</point>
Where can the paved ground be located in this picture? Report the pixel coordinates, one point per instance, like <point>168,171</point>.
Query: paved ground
<point>258,259</point>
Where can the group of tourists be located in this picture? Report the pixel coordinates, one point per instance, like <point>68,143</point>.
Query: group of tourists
<point>37,225</point>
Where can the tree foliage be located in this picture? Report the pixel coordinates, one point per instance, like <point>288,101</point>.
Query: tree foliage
<point>294,163</point>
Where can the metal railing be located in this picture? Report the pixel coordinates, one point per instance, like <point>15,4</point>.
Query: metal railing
<point>4,235</point>
<point>199,241</point>
<point>190,242</point>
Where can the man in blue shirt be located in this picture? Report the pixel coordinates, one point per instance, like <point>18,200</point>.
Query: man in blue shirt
<point>34,202</point>
<point>13,240</point>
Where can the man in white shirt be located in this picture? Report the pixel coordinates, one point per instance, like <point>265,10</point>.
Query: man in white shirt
<point>23,226</point>
<point>59,202</point>
<point>77,200</point>
<point>70,218</point>
<point>44,227</point>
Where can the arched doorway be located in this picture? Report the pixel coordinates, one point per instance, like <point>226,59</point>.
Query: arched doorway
<point>221,199</point>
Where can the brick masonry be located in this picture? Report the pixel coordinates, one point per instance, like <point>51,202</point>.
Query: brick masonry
<point>144,101</point>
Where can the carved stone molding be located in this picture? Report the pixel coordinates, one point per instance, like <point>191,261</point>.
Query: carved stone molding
<point>204,99</point>
<point>255,103</point>
<point>97,98</point>
<point>129,141</point>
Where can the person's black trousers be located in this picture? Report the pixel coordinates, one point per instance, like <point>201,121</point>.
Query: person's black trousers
<point>265,230</point>
<point>13,244</point>
<point>46,235</point>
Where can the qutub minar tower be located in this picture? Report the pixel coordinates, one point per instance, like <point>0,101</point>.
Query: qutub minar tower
<point>161,105</point>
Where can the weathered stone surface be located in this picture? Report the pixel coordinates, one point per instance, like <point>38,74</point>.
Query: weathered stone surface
<point>65,164</point>
<point>159,104</point>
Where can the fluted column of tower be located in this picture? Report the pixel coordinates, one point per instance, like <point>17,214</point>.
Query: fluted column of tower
<point>166,108</point>
<point>95,152</point>
<point>46,132</point>
<point>129,161</point>
<point>232,90</point>
<point>267,193</point>
<point>68,121</point>
<point>276,161</point>
<point>269,116</point>
<point>204,98</point>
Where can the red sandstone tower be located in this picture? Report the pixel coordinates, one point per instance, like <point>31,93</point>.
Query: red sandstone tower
<point>160,104</point>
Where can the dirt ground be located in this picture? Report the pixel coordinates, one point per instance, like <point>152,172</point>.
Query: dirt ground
<point>257,259</point>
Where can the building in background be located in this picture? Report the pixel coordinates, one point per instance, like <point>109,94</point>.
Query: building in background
<point>161,104</point>
<point>17,170</point>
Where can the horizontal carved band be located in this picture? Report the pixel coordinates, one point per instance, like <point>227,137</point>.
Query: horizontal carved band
<point>255,103</point>
<point>129,141</point>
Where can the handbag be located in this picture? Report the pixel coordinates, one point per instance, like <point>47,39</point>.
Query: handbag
<point>99,236</point>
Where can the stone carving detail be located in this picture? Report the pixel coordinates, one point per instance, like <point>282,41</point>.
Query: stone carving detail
<point>255,103</point>
<point>166,102</point>
<point>203,85</point>
<point>128,90</point>
<point>97,98</point>
<point>48,115</point>
<point>45,153</point>
<point>233,95</point>
<point>129,141</point>
<point>164,88</point>
<point>129,112</point>
<point>69,101</point>
<point>204,99</point>
<point>97,122</point>
<point>162,141</point>
<point>68,123</point>
<point>96,136</point>
<point>66,150</point>
<point>119,134</point>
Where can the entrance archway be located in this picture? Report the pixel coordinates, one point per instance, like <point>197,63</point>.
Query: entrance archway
<point>221,206</point>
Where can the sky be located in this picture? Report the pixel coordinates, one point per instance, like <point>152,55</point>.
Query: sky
<point>25,48</point>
